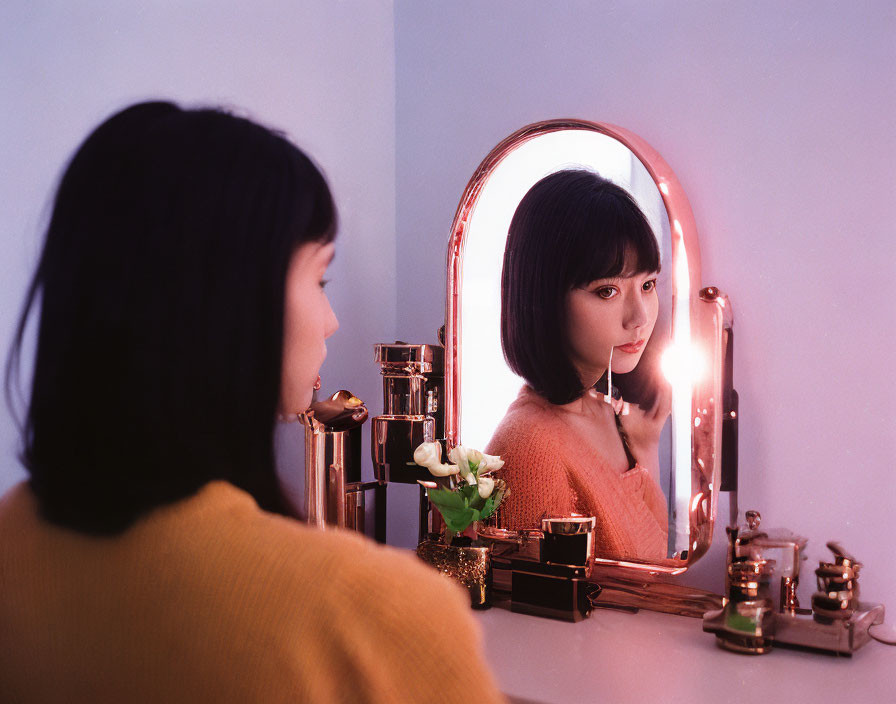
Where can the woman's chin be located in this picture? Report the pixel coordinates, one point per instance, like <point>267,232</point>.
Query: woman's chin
<point>296,403</point>
<point>624,366</point>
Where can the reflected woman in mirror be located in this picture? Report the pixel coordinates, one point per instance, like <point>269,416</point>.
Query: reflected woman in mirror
<point>578,298</point>
<point>152,555</point>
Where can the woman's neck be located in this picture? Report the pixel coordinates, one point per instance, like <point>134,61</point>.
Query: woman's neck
<point>590,404</point>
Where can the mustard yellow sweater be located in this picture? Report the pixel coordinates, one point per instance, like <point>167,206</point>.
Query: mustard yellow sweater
<point>213,600</point>
<point>551,471</point>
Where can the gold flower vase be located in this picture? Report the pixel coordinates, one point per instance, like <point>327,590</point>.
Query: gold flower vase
<point>468,565</point>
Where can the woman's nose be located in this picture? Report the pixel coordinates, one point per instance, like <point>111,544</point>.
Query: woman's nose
<point>332,324</point>
<point>635,313</point>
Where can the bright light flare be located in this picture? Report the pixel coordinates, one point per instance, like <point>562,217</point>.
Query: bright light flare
<point>683,365</point>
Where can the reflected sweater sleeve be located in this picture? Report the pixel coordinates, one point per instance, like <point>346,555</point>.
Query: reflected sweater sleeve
<point>536,475</point>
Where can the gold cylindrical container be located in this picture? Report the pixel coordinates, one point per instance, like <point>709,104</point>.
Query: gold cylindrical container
<point>838,591</point>
<point>748,617</point>
<point>334,493</point>
<point>568,540</point>
<point>315,471</point>
<point>467,565</point>
<point>412,382</point>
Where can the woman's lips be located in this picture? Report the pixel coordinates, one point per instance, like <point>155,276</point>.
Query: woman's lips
<point>631,347</point>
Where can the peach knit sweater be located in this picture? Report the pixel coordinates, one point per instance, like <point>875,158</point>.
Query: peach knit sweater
<point>551,470</point>
<point>211,599</point>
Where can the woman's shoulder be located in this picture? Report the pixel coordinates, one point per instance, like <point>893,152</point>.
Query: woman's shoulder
<point>326,611</point>
<point>350,597</point>
<point>346,560</point>
<point>396,616</point>
<point>353,561</point>
<point>531,424</point>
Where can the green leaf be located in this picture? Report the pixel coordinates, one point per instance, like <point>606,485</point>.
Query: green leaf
<point>461,507</point>
<point>492,502</point>
<point>469,492</point>
<point>488,507</point>
<point>446,499</point>
<point>459,521</point>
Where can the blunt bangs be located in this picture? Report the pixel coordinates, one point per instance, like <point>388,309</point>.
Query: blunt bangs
<point>616,240</point>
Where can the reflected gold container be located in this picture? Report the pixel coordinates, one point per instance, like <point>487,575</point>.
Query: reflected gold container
<point>394,439</point>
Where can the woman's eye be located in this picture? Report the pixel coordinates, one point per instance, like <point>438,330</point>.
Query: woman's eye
<point>606,292</point>
<point>648,286</point>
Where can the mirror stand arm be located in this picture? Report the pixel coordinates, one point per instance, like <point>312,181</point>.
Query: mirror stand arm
<point>730,403</point>
<point>730,413</point>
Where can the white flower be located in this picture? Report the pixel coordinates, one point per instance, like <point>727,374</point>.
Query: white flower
<point>492,463</point>
<point>429,455</point>
<point>443,470</point>
<point>486,486</point>
<point>467,458</point>
<point>458,455</point>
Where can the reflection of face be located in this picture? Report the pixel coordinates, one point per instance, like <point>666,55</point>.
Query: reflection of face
<point>308,321</point>
<point>617,313</point>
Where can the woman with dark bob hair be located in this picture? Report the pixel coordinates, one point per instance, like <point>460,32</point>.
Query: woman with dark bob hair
<point>578,298</point>
<point>152,555</point>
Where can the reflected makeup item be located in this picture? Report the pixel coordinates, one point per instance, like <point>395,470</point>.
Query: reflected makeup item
<point>608,398</point>
<point>613,397</point>
<point>568,540</point>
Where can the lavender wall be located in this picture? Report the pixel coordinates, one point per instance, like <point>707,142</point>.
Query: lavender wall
<point>323,72</point>
<point>778,120</point>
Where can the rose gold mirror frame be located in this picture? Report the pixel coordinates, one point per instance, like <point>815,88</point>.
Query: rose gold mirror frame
<point>710,318</point>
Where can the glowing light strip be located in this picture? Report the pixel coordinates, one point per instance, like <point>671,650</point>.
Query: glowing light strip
<point>682,387</point>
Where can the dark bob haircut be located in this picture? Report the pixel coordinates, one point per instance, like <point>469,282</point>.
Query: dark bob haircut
<point>571,228</point>
<point>161,289</point>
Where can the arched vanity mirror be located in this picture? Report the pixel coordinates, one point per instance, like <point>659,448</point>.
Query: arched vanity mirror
<point>687,338</point>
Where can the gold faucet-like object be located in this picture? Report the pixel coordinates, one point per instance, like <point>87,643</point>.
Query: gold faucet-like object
<point>748,623</point>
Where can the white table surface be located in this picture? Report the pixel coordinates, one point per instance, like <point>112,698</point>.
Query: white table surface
<point>651,657</point>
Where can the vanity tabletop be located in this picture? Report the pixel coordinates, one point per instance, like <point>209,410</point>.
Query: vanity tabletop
<point>652,657</point>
